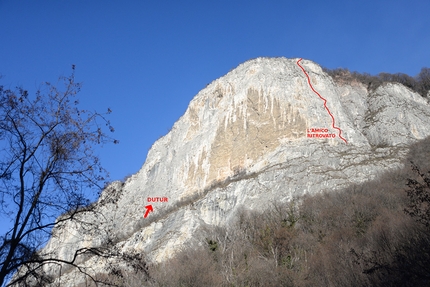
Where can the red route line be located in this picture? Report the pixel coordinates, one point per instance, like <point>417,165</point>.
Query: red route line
<point>325,101</point>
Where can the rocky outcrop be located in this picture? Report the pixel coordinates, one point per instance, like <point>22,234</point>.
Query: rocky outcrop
<point>243,141</point>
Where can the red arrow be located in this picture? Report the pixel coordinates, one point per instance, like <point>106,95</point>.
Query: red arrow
<point>148,210</point>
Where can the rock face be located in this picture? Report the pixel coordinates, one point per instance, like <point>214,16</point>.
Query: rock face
<point>243,141</point>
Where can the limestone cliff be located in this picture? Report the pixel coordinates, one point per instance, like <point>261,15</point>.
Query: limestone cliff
<point>245,141</point>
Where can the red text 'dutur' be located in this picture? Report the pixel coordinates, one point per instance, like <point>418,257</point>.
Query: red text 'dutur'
<point>157,199</point>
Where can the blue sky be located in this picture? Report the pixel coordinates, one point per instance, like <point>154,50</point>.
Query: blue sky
<point>147,59</point>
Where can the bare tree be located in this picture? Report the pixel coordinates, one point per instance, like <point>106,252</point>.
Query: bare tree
<point>423,79</point>
<point>419,196</point>
<point>47,167</point>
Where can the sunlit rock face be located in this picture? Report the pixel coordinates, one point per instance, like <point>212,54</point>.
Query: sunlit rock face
<point>244,141</point>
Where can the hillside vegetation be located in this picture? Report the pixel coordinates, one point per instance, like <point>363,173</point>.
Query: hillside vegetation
<point>420,83</point>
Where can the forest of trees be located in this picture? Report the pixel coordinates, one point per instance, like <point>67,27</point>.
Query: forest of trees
<point>420,83</point>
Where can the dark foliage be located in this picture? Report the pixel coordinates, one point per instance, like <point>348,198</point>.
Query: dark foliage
<point>419,83</point>
<point>419,197</point>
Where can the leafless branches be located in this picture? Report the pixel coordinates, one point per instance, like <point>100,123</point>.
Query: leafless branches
<point>47,165</point>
